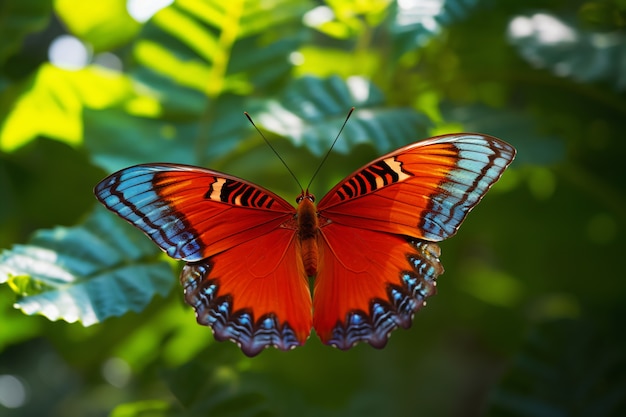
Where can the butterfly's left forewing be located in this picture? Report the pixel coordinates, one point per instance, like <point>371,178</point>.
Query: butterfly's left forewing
<point>378,259</point>
<point>244,276</point>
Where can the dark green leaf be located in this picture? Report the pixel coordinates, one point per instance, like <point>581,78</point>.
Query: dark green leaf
<point>18,18</point>
<point>413,24</point>
<point>548,41</point>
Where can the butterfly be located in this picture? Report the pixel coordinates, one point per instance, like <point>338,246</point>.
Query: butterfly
<point>370,243</point>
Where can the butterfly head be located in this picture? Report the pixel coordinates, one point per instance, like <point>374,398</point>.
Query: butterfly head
<point>305,194</point>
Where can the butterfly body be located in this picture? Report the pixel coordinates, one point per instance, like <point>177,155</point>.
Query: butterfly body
<point>308,229</point>
<point>370,243</point>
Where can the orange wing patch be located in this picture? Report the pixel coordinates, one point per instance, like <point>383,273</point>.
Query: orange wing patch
<point>369,283</point>
<point>255,294</point>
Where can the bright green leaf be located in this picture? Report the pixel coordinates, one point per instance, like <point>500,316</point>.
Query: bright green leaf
<point>103,24</point>
<point>147,408</point>
<point>313,60</point>
<point>343,19</point>
<point>195,45</point>
<point>51,104</point>
<point>186,72</point>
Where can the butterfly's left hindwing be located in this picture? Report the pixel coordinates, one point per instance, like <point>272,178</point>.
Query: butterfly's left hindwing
<point>245,278</point>
<point>255,294</point>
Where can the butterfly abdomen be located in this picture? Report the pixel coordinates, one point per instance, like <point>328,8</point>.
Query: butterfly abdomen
<point>308,228</point>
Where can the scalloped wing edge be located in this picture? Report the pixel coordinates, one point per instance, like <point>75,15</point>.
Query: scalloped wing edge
<point>384,316</point>
<point>215,310</point>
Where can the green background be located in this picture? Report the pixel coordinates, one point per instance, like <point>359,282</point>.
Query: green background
<point>529,316</point>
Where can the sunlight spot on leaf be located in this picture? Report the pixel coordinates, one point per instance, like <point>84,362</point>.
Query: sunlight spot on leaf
<point>278,119</point>
<point>546,28</point>
<point>68,52</point>
<point>510,180</point>
<point>542,183</point>
<point>359,87</point>
<point>168,131</point>
<point>492,286</point>
<point>142,10</point>
<point>318,16</point>
<point>13,392</point>
<point>555,306</point>
<point>116,372</point>
<point>141,408</point>
<point>520,27</point>
<point>296,58</point>
<point>144,106</point>
<point>420,11</point>
<point>109,60</point>
<point>226,374</point>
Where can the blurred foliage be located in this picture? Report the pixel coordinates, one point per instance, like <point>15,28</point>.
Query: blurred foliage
<point>528,319</point>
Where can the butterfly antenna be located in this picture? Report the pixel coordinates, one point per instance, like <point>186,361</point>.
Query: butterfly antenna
<point>274,150</point>
<point>330,149</point>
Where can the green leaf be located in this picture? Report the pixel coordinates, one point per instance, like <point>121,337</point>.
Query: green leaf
<point>18,18</point>
<point>104,25</point>
<point>548,41</point>
<point>413,24</point>
<point>214,47</point>
<point>87,273</point>
<point>50,104</point>
<point>343,19</point>
<point>311,111</point>
<point>325,62</point>
<point>147,408</point>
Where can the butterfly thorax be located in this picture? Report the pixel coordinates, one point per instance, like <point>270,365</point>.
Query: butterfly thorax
<point>308,228</point>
